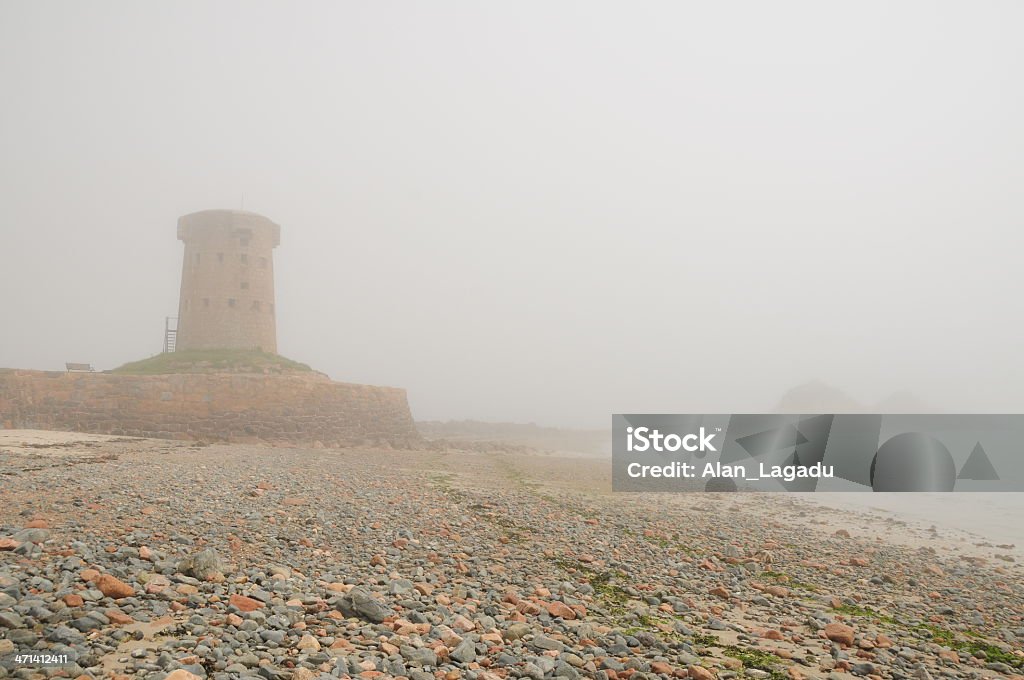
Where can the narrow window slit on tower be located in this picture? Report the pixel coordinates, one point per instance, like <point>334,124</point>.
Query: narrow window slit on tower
<point>231,302</point>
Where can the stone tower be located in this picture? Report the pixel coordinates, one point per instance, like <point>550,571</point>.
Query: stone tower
<point>227,281</point>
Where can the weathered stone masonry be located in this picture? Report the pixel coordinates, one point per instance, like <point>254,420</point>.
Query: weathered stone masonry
<point>227,281</point>
<point>299,408</point>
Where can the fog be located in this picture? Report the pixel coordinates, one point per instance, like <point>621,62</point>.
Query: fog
<point>530,211</point>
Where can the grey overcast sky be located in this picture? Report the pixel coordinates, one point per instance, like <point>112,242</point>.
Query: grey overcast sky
<point>535,211</point>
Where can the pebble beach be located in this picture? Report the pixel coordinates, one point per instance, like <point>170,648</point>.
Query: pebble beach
<point>148,559</point>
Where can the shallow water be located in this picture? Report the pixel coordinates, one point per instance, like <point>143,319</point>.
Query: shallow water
<point>995,517</point>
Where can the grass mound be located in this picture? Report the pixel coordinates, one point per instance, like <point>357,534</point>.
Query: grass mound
<point>212,361</point>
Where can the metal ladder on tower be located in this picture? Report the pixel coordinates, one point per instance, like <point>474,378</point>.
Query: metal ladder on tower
<point>170,334</point>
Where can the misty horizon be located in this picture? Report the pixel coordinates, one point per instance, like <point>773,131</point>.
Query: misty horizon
<point>693,209</point>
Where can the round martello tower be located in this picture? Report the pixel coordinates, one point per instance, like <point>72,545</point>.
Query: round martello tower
<point>227,281</point>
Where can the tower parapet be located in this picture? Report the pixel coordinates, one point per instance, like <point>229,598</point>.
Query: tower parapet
<point>227,281</point>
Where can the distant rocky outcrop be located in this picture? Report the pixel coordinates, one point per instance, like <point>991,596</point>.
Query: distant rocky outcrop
<point>903,402</point>
<point>817,397</point>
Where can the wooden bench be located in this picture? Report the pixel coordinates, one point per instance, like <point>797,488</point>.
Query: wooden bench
<point>79,368</point>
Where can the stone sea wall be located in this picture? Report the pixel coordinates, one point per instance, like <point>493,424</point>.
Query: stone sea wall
<point>301,408</point>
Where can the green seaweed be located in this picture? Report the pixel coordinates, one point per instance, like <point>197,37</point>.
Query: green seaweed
<point>758,659</point>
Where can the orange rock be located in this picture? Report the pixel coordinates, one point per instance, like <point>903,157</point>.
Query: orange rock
<point>661,668</point>
<point>720,591</point>
<point>157,583</point>
<point>113,587</point>
<point>38,524</point>
<point>182,674</point>
<point>700,673</point>
<point>561,610</point>
<point>145,553</point>
<point>8,544</point>
<point>883,641</point>
<point>89,575</point>
<point>245,604</point>
<point>461,623</point>
<point>773,635</point>
<point>839,632</point>
<point>118,617</point>
<point>309,643</point>
<point>73,600</point>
